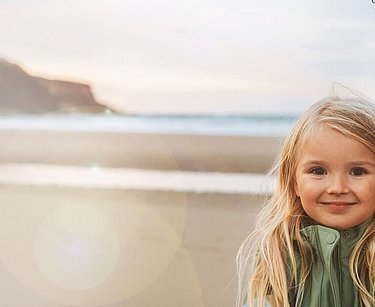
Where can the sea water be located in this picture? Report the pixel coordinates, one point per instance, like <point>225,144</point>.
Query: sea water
<point>227,124</point>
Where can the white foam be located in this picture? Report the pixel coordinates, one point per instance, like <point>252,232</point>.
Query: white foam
<point>121,178</point>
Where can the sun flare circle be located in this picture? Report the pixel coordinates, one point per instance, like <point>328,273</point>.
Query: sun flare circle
<point>77,247</point>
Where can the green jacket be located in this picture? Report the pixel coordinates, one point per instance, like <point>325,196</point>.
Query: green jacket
<point>330,283</point>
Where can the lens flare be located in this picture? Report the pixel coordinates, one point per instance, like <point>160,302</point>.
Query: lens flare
<point>77,247</point>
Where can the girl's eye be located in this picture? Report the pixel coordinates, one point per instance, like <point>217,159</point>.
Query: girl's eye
<point>357,171</point>
<point>318,171</point>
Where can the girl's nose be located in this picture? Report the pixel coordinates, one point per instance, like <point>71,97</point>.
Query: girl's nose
<point>337,184</point>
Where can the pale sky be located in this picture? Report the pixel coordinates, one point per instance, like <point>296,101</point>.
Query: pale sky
<point>196,55</point>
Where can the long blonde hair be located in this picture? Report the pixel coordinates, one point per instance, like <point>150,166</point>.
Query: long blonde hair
<point>263,257</point>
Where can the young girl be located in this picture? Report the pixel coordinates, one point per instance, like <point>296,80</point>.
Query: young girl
<point>314,241</point>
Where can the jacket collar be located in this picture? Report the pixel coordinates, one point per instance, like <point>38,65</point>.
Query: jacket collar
<point>321,235</point>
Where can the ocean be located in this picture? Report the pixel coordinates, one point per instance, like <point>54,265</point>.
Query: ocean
<point>254,125</point>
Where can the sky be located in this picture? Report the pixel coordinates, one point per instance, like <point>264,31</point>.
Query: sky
<point>196,56</point>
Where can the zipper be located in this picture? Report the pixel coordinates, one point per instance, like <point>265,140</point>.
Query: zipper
<point>338,269</point>
<point>334,268</point>
<point>321,256</point>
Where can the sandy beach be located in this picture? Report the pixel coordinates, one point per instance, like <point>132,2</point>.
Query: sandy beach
<point>179,249</point>
<point>92,246</point>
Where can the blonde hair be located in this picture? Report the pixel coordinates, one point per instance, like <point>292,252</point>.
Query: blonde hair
<point>263,258</point>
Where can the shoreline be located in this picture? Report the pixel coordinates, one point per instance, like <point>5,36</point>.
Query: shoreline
<point>125,179</point>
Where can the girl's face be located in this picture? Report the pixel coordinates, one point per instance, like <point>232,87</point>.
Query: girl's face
<point>335,180</point>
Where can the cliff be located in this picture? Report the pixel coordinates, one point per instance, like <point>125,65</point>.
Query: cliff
<point>23,93</point>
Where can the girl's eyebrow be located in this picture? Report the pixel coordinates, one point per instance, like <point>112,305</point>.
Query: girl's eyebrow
<point>313,162</point>
<point>363,163</point>
<point>321,162</point>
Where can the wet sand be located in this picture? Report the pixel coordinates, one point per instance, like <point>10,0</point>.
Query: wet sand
<point>139,150</point>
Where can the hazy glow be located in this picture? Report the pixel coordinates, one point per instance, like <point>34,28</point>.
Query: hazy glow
<point>190,55</point>
<point>77,247</point>
<point>92,247</point>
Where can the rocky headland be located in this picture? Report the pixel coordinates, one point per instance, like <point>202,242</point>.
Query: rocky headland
<point>23,93</point>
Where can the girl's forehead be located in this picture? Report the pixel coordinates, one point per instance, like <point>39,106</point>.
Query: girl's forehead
<point>316,137</point>
<point>332,144</point>
<point>318,132</point>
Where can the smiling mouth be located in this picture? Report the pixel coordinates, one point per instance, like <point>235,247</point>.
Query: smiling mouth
<point>337,204</point>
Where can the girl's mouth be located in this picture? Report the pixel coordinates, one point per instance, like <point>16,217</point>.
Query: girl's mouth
<point>338,203</point>
<point>338,206</point>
